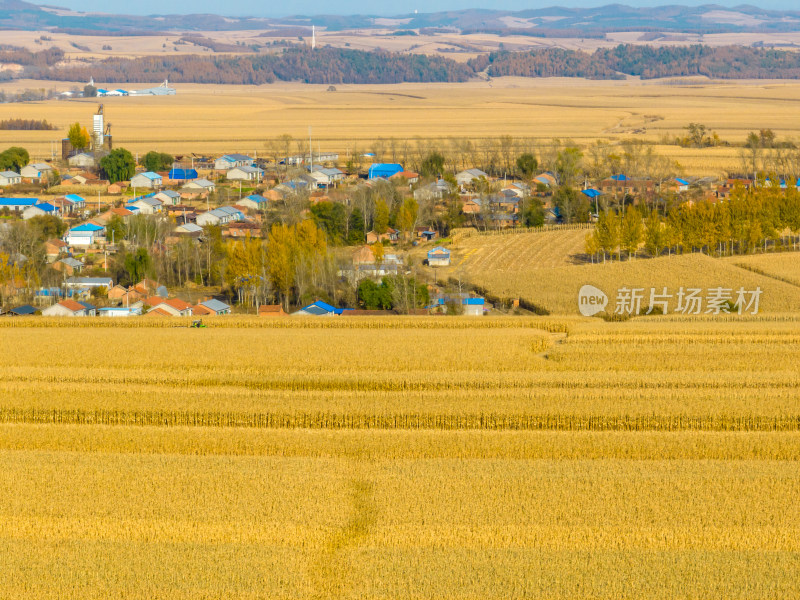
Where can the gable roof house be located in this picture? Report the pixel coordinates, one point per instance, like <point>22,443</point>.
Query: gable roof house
<point>90,282</point>
<point>54,248</point>
<point>271,310</point>
<point>147,205</point>
<point>169,197</point>
<point>36,171</point>
<point>229,161</point>
<point>220,216</point>
<point>85,235</point>
<point>319,309</point>
<point>199,186</point>
<point>245,173</point>
<point>467,176</point>
<point>82,160</point>
<point>433,191</point>
<point>147,179</point>
<point>211,307</point>
<point>41,209</point>
<point>17,204</point>
<point>70,308</point>
<point>77,201</point>
<point>9,178</point>
<point>325,177</point>
<point>254,202</point>
<point>68,265</point>
<point>174,307</point>
<point>439,257</point>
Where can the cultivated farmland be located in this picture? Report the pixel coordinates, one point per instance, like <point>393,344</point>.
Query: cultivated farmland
<point>223,119</point>
<point>401,458</point>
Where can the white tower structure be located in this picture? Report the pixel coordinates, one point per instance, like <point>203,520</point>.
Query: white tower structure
<point>313,37</point>
<point>98,128</point>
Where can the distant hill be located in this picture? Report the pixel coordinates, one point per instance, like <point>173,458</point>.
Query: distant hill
<point>553,21</point>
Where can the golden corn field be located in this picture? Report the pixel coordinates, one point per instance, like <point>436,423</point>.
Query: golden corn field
<point>408,458</point>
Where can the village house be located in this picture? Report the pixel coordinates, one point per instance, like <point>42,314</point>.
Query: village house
<point>198,186</point>
<point>391,235</point>
<point>9,178</point>
<point>467,176</point>
<point>17,205</point>
<point>384,170</point>
<point>168,197</point>
<point>148,179</point>
<point>244,173</point>
<point>188,230</point>
<point>172,307</point>
<point>182,175</point>
<point>546,179</point>
<point>439,257</point>
<point>89,283</point>
<point>326,177</point>
<point>253,202</point>
<point>82,160</point>
<point>619,186</point>
<point>319,309</point>
<point>70,308</point>
<point>85,235</point>
<point>54,248</point>
<point>36,172</point>
<point>433,191</point>
<point>230,161</point>
<point>271,310</point>
<point>68,265</point>
<point>243,229</point>
<point>409,177</point>
<point>40,209</point>
<point>147,205</point>
<point>220,216</point>
<point>119,311</point>
<point>211,306</point>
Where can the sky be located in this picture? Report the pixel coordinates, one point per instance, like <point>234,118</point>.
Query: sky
<point>349,7</point>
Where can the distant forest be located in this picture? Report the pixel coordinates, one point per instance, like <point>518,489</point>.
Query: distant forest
<point>647,62</point>
<point>340,65</point>
<point>322,65</point>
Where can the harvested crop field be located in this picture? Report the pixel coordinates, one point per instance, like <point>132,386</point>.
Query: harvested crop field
<point>401,458</point>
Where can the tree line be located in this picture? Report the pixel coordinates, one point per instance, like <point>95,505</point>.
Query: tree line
<point>330,65</point>
<point>300,63</point>
<point>758,218</point>
<point>647,62</point>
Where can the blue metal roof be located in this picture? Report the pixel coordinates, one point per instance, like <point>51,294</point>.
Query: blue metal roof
<point>149,175</point>
<point>322,308</point>
<point>45,206</point>
<point>183,174</point>
<point>87,227</point>
<point>74,198</point>
<point>592,193</point>
<point>681,181</point>
<point>256,198</point>
<point>18,201</point>
<point>620,177</point>
<point>385,170</point>
<point>474,301</point>
<point>438,251</point>
<point>25,309</point>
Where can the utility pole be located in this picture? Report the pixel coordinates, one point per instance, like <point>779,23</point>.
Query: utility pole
<point>310,151</point>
